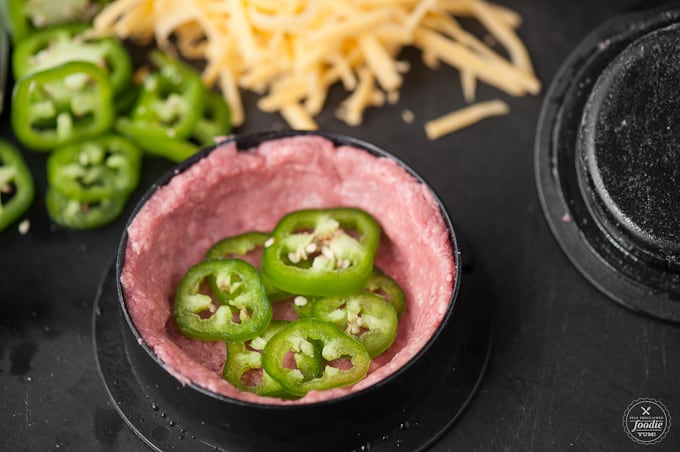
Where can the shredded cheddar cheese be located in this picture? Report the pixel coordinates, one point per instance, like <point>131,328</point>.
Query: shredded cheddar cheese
<point>464,117</point>
<point>292,51</point>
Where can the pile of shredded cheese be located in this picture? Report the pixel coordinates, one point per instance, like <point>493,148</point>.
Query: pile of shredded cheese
<point>292,51</point>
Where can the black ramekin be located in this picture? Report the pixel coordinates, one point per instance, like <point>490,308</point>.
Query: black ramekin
<point>337,424</point>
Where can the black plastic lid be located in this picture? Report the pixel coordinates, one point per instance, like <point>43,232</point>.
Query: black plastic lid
<point>608,159</point>
<point>630,148</point>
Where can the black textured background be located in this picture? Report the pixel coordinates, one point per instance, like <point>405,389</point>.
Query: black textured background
<point>567,361</point>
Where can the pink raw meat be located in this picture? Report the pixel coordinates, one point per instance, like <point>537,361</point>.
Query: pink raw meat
<point>230,192</point>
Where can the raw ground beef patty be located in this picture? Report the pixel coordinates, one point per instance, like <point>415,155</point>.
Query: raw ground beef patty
<point>231,192</point>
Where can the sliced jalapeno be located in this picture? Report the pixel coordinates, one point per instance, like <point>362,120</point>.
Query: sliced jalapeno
<point>156,142</point>
<point>75,214</point>
<point>172,98</point>
<point>102,167</point>
<point>345,360</point>
<point>304,305</point>
<point>23,17</point>
<point>124,102</point>
<point>243,367</point>
<point>53,46</point>
<point>322,252</point>
<point>364,316</point>
<point>16,185</point>
<point>237,245</point>
<point>382,285</point>
<point>215,121</point>
<point>169,105</point>
<point>240,246</point>
<point>245,314</point>
<point>61,105</point>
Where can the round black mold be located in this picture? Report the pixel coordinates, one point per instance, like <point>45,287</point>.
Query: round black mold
<point>344,423</point>
<point>152,403</point>
<point>593,172</point>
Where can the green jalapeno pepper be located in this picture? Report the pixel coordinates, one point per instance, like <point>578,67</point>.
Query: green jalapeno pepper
<point>16,185</point>
<point>155,142</point>
<point>215,122</point>
<point>345,360</point>
<point>245,314</point>
<point>237,245</point>
<point>304,305</point>
<point>62,104</point>
<point>53,46</point>
<point>25,16</point>
<point>382,285</point>
<point>241,246</point>
<point>243,367</point>
<point>169,105</point>
<point>364,316</point>
<point>75,214</point>
<point>124,102</point>
<point>379,283</point>
<point>90,181</point>
<point>322,252</point>
<point>102,167</point>
<point>172,98</point>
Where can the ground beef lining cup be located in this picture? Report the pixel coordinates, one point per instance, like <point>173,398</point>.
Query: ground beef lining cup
<point>209,197</point>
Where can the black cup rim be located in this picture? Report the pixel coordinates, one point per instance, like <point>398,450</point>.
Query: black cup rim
<point>245,142</point>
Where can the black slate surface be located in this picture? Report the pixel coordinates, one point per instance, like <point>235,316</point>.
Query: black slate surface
<point>567,361</point>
